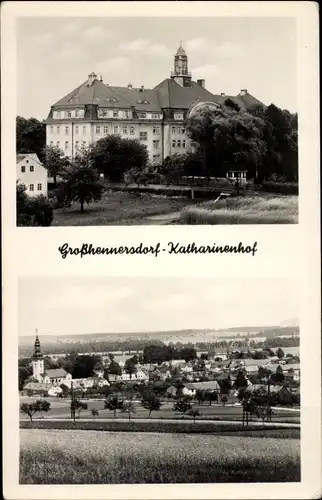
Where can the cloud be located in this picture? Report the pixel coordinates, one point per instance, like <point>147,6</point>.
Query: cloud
<point>207,70</point>
<point>197,44</point>
<point>144,47</point>
<point>112,63</point>
<point>229,49</point>
<point>96,33</point>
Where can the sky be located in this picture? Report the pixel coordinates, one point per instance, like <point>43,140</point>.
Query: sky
<point>55,55</point>
<point>67,306</point>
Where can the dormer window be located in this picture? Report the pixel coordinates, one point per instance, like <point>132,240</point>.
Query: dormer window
<point>142,115</point>
<point>143,101</point>
<point>111,99</point>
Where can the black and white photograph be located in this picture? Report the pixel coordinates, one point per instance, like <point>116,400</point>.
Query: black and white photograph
<point>156,121</point>
<point>158,380</point>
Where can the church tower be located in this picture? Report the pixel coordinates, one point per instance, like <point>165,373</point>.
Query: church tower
<point>38,361</point>
<point>180,74</point>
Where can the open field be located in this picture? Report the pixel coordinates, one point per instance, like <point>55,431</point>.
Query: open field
<point>86,457</point>
<point>60,408</point>
<point>125,208</point>
<point>244,210</point>
<point>120,208</point>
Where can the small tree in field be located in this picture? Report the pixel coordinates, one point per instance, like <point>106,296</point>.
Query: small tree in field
<point>128,408</point>
<point>182,405</point>
<point>224,399</point>
<point>94,413</point>
<point>55,161</point>
<point>81,183</point>
<point>43,405</point>
<point>29,409</point>
<point>113,403</point>
<point>151,402</point>
<point>194,412</point>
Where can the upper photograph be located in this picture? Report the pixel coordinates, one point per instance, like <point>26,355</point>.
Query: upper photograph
<point>156,121</point>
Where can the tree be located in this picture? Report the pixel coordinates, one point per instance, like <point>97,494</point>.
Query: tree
<point>114,368</point>
<point>194,412</point>
<point>80,406</point>
<point>280,353</point>
<point>173,168</point>
<point>200,396</point>
<point>80,183</point>
<point>29,409</point>
<point>139,175</point>
<point>224,399</point>
<point>278,377</point>
<point>113,403</point>
<point>55,162</point>
<point>204,356</point>
<point>151,402</point>
<point>24,372</point>
<point>30,136</point>
<point>94,413</point>
<point>43,406</point>
<point>65,390</point>
<point>241,380</point>
<point>130,367</point>
<point>182,405</point>
<point>114,156</point>
<point>211,396</point>
<point>32,211</point>
<point>128,408</point>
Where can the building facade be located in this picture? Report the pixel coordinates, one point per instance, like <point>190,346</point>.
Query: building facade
<point>31,172</point>
<point>155,117</point>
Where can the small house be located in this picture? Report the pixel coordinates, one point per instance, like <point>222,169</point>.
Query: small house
<point>32,174</point>
<point>237,176</point>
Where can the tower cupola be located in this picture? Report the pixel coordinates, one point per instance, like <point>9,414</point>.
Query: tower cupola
<point>181,74</point>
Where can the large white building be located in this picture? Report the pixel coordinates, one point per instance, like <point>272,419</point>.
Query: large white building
<point>31,172</point>
<point>156,117</point>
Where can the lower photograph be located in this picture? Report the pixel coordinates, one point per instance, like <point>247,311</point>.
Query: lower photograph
<point>159,380</point>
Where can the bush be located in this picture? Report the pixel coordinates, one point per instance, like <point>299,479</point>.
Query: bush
<point>37,211</point>
<point>280,187</point>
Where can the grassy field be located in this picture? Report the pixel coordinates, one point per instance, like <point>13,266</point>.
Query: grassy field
<point>120,208</point>
<point>60,408</point>
<point>86,457</point>
<point>244,210</point>
<point>124,208</point>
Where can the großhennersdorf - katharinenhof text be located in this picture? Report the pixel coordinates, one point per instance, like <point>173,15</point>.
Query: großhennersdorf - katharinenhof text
<point>172,248</point>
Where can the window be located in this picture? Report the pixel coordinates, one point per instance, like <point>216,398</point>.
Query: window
<point>77,129</point>
<point>173,144</point>
<point>105,130</point>
<point>143,136</point>
<point>51,129</point>
<point>103,112</point>
<point>31,168</point>
<point>124,130</point>
<point>156,144</point>
<point>116,129</point>
<point>183,131</point>
<point>156,158</point>
<point>127,114</point>
<point>66,130</point>
<point>39,187</point>
<point>142,115</point>
<point>131,130</point>
<point>68,114</point>
<point>178,116</point>
<point>183,144</point>
<point>178,130</point>
<point>156,130</point>
<point>51,143</point>
<point>58,114</point>
<point>98,129</point>
<point>173,130</point>
<point>76,113</point>
<point>58,144</point>
<point>23,169</point>
<point>66,145</point>
<point>77,144</point>
<point>31,187</point>
<point>58,129</point>
<point>111,99</point>
<point>84,129</point>
<point>179,144</point>
<point>156,116</point>
<point>115,113</point>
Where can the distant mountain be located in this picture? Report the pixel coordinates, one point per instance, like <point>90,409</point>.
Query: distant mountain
<point>291,322</point>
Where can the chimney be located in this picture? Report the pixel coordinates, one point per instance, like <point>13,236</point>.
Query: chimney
<point>101,78</point>
<point>129,86</point>
<point>243,92</point>
<point>201,83</point>
<point>223,94</point>
<point>91,78</point>
<point>142,88</point>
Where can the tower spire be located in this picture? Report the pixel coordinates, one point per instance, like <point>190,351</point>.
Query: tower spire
<point>181,74</point>
<point>37,350</point>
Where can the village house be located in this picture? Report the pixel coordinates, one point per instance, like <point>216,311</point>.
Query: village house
<point>32,174</point>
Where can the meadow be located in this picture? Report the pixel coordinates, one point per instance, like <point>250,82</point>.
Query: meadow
<point>94,457</point>
<point>243,210</point>
<point>144,208</point>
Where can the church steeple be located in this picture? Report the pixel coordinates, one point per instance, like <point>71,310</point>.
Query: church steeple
<point>180,74</point>
<point>38,367</point>
<point>37,350</point>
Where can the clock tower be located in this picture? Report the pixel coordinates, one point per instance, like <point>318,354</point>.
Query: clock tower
<point>38,360</point>
<point>181,74</point>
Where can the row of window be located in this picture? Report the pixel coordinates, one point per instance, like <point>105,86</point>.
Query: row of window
<point>31,168</point>
<point>76,113</point>
<point>178,130</point>
<point>105,129</point>
<point>32,187</point>
<point>178,144</point>
<point>115,113</point>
